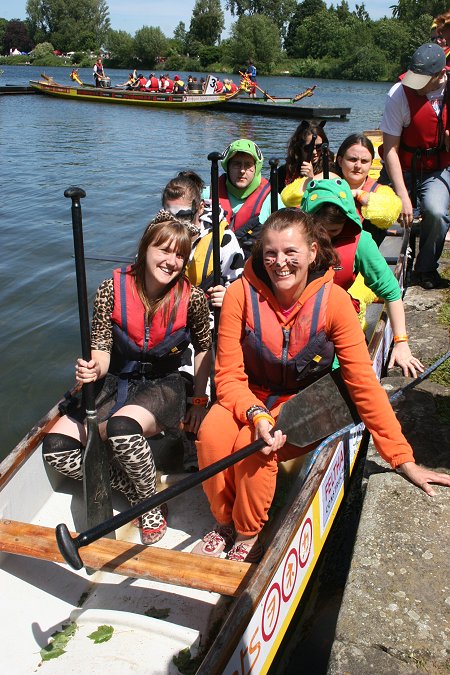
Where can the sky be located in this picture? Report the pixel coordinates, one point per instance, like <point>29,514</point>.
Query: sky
<point>130,15</point>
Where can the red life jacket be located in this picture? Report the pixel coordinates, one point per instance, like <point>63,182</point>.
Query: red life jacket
<point>421,141</point>
<point>346,244</point>
<point>154,84</point>
<point>142,82</point>
<point>282,355</point>
<point>169,85</point>
<point>219,87</point>
<point>153,349</point>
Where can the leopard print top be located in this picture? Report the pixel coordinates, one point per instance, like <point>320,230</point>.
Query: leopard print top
<point>197,319</point>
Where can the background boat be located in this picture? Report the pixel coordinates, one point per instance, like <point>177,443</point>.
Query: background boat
<point>47,85</point>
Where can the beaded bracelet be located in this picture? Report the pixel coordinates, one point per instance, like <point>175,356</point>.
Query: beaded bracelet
<point>400,338</point>
<point>254,410</point>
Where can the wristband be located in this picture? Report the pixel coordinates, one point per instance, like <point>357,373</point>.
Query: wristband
<point>254,410</point>
<point>263,416</point>
<point>198,400</point>
<point>400,338</point>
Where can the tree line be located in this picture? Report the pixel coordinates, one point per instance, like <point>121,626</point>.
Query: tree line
<point>308,38</point>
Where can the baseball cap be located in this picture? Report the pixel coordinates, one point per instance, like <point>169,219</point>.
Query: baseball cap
<point>428,60</point>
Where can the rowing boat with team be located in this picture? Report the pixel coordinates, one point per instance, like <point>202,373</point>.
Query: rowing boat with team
<point>94,602</point>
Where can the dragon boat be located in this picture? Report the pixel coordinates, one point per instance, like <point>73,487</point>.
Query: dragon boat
<point>161,609</point>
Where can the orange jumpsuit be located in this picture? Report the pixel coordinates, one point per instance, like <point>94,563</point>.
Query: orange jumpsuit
<point>243,493</point>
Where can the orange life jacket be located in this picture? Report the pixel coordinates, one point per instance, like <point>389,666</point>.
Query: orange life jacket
<point>282,355</point>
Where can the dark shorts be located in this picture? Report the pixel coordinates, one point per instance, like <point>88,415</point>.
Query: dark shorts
<point>165,398</point>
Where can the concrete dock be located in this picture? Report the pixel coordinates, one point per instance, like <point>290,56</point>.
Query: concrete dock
<point>395,612</point>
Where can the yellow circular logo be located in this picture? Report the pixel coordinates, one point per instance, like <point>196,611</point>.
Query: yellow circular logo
<point>313,197</point>
<point>342,195</point>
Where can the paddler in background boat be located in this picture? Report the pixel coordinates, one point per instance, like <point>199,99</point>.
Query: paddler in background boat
<point>303,161</point>
<point>229,86</point>
<point>287,281</point>
<point>100,77</point>
<point>333,206</point>
<point>377,205</point>
<point>144,318</point>
<point>178,85</point>
<point>152,83</point>
<point>182,198</point>
<point>244,194</point>
<point>129,84</point>
<point>251,74</point>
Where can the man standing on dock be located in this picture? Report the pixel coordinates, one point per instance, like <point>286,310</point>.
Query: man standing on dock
<point>416,151</point>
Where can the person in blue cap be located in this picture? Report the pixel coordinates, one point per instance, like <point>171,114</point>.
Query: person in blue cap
<point>416,151</point>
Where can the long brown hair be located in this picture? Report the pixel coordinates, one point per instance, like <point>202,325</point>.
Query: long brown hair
<point>164,228</point>
<point>296,152</point>
<point>326,256</point>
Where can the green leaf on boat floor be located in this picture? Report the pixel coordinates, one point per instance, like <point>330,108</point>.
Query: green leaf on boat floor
<point>156,613</point>
<point>59,640</point>
<point>102,634</point>
<point>185,663</point>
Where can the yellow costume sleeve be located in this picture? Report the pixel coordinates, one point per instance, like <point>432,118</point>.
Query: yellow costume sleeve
<point>361,292</point>
<point>292,194</point>
<point>383,208</point>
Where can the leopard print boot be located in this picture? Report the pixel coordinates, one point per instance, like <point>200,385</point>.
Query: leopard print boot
<point>134,454</point>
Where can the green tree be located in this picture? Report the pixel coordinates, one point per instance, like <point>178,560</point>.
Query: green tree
<point>149,43</point>
<point>3,25</point>
<point>16,36</point>
<point>410,10</point>
<point>278,11</point>
<point>361,12</point>
<point>303,10</point>
<point>70,24</point>
<point>121,48</point>
<point>207,22</point>
<point>179,37</point>
<point>255,37</point>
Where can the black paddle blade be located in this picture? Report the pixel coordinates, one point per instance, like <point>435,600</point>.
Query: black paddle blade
<point>96,480</point>
<point>317,412</point>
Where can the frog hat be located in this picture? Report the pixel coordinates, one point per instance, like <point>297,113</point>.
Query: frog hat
<point>330,191</point>
<point>250,148</point>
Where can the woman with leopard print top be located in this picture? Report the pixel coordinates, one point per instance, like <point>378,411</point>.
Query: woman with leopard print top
<point>144,319</point>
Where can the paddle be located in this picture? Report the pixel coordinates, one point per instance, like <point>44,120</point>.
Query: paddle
<point>325,161</point>
<point>310,147</point>
<point>247,79</point>
<point>96,482</point>
<point>311,415</point>
<point>214,158</point>
<point>273,184</point>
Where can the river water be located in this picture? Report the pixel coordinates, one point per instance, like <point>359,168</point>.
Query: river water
<point>122,156</point>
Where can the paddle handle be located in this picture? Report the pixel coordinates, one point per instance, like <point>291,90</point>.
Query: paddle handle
<point>310,148</point>
<point>75,194</point>
<point>69,545</point>
<point>325,161</point>
<point>273,162</point>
